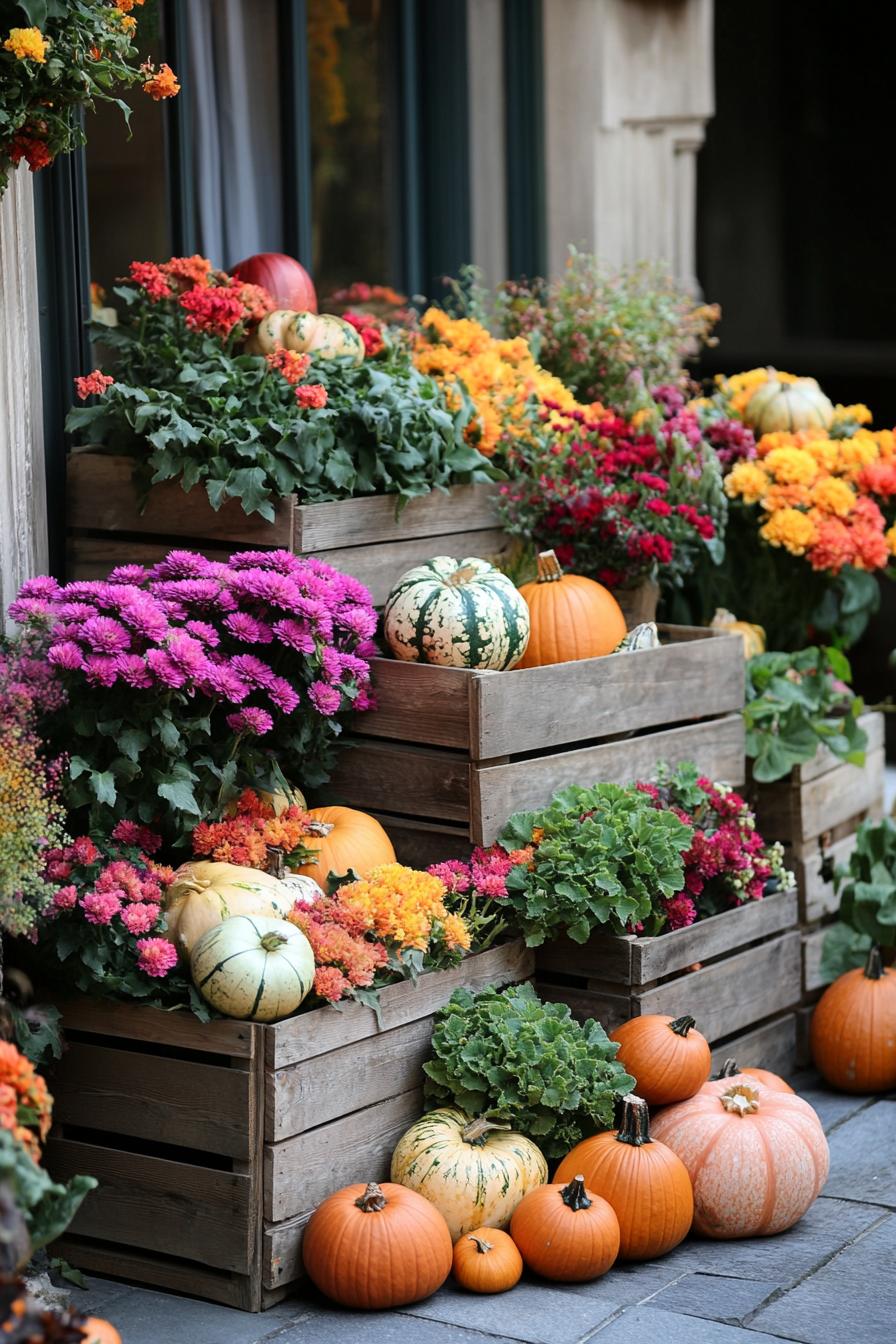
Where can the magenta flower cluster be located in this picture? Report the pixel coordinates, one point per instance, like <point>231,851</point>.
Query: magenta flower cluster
<point>484,876</point>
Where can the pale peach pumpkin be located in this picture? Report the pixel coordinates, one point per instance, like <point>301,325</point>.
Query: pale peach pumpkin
<point>757,1158</point>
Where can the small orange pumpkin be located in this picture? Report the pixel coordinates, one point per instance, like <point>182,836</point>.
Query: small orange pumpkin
<point>566,1232</point>
<point>393,1247</point>
<point>764,1076</point>
<point>487,1261</point>
<point>647,1186</point>
<point>571,617</point>
<point>346,839</point>
<point>668,1056</point>
<point>853,1032</point>
<point>98,1331</point>
<point>757,1158</point>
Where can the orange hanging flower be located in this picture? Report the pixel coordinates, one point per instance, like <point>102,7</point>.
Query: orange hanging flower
<point>161,83</point>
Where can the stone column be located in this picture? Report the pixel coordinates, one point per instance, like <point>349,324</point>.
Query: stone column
<point>23,506</point>
<point>629,89</point>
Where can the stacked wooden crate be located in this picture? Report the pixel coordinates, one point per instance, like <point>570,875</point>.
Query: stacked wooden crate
<point>815,813</point>
<point>213,1142</point>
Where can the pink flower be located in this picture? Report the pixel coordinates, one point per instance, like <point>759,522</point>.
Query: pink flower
<point>245,627</point>
<point>83,850</point>
<point>297,636</point>
<point>313,396</point>
<point>101,669</point>
<point>100,907</point>
<point>141,837</point>
<point>284,696</point>
<point>325,699</point>
<point>66,655</point>
<point>93,384</point>
<point>680,911</point>
<point>250,720</point>
<point>140,917</point>
<point>66,898</point>
<point>155,956</point>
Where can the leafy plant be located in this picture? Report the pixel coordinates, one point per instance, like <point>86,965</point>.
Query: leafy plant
<point>843,950</point>
<point>603,856</point>
<point>867,887</point>
<point>47,1206</point>
<point>796,703</point>
<point>507,1055</point>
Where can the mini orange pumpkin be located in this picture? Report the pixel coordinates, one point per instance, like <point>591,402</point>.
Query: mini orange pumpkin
<point>393,1247</point>
<point>566,1232</point>
<point>764,1076</point>
<point>98,1331</point>
<point>487,1261</point>
<point>647,1186</point>
<point>571,617</point>
<point>346,839</point>
<point>853,1033</point>
<point>668,1056</point>
<point>757,1158</point>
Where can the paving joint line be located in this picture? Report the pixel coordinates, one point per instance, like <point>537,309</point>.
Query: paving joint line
<point>845,1119</point>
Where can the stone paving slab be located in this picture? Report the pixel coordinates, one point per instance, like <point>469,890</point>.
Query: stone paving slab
<point>832,1108</point>
<point>648,1323</point>
<point>535,1312</point>
<point>716,1297</point>
<point>863,1157</point>
<point>851,1297</point>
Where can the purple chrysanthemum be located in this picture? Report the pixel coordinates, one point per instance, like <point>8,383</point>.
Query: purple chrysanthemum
<point>250,720</point>
<point>325,699</point>
<point>105,635</point>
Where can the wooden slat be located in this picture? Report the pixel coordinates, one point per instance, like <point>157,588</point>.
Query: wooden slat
<point>331,1028</point>
<point>818,895</point>
<point>93,557</point>
<point>158,1205</point>
<point>175,1101</point>
<point>101,497</point>
<point>603,957</point>
<point>611,1010</point>
<point>533,708</point>
<point>708,938</point>
<point>771,1046</point>
<point>420,843</point>
<point>733,993</point>
<point>717,746</point>
<point>317,1090</point>
<point>300,1172</point>
<point>798,813</point>
<point>813,945</point>
<point>180,1029</point>
<point>418,781</point>
<point>178,1276</point>
<point>824,760</point>
<point>380,565</point>
<point>419,703</point>
<point>465,508</point>
<point>282,1255</point>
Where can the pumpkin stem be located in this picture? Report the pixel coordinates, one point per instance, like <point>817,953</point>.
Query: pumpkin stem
<point>475,1132</point>
<point>482,1246</point>
<point>682,1025</point>
<point>634,1126</point>
<point>573,1195</point>
<point>321,828</point>
<point>461,576</point>
<point>276,862</point>
<point>373,1200</point>
<point>271,941</point>
<point>741,1100</point>
<point>729,1069</point>
<point>549,570</point>
<point>874,967</point>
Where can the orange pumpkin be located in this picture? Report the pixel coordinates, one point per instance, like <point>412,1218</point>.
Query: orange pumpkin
<point>647,1186</point>
<point>668,1056</point>
<point>566,1232</point>
<point>487,1261</point>
<point>346,839</point>
<point>853,1033</point>
<point>377,1247</point>
<point>98,1331</point>
<point>730,1068</point>
<point>757,1158</point>
<point>571,617</point>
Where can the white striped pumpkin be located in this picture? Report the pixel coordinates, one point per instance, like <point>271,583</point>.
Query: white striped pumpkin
<point>475,1173</point>
<point>253,967</point>
<point>457,613</point>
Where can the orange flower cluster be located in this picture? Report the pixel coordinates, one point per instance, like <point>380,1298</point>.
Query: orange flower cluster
<point>820,496</point>
<point>406,909</point>
<point>290,364</point>
<point>26,1106</point>
<point>345,957</point>
<point>161,83</point>
<point>244,838</point>
<point>509,390</point>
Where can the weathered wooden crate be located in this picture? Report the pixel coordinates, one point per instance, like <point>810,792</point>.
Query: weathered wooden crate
<point>212,1143</point>
<point>362,537</point>
<point>452,752</point>
<point>737,974</point>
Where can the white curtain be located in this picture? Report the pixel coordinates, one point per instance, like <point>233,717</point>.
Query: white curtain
<point>233,78</point>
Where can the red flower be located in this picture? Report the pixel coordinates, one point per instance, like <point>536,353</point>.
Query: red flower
<point>212,310</point>
<point>33,149</point>
<point>313,396</point>
<point>93,384</point>
<point>151,278</point>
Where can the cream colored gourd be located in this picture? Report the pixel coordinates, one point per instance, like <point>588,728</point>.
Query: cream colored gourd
<point>788,405</point>
<point>253,967</point>
<point>270,335</point>
<point>324,335</point>
<point>203,894</point>
<point>473,1171</point>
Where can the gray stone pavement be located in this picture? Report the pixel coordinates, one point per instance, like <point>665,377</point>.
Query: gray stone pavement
<point>830,1279</point>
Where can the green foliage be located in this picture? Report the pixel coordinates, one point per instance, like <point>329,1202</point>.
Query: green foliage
<point>795,704</point>
<point>510,1056</point>
<point>605,855</point>
<point>47,1206</point>
<point>843,950</point>
<point>188,408</point>
<point>867,887</point>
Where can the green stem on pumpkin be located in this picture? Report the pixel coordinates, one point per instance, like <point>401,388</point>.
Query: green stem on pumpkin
<point>874,967</point>
<point>634,1126</point>
<point>682,1025</point>
<point>574,1196</point>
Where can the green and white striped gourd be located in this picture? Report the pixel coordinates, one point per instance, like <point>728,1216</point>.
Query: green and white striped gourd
<point>253,967</point>
<point>457,613</point>
<point>474,1171</point>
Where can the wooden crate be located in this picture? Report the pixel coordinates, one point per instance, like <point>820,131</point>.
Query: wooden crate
<point>362,537</point>
<point>457,751</point>
<point>734,972</point>
<point>212,1143</point>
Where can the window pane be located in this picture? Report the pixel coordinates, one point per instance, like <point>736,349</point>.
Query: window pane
<point>354,72</point>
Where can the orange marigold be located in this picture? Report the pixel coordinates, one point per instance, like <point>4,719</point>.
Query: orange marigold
<point>791,529</point>
<point>161,83</point>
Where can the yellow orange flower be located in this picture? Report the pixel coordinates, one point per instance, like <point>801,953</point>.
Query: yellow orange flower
<point>891,539</point>
<point>746,481</point>
<point>858,413</point>
<point>791,466</point>
<point>786,497</point>
<point>403,906</point>
<point>161,83</point>
<point>27,44</point>
<point>790,528</point>
<point>832,495</point>
<point>739,387</point>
